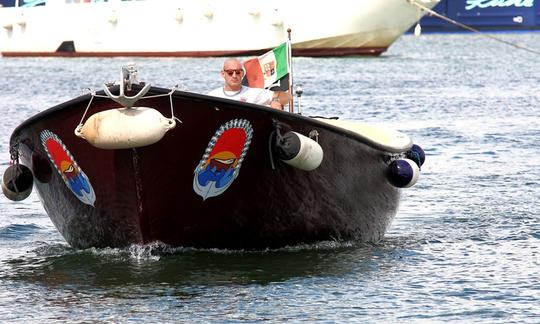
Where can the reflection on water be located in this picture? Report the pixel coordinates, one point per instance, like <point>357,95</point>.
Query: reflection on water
<point>56,266</point>
<point>258,284</point>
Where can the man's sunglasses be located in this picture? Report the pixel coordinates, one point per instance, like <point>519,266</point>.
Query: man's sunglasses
<point>231,72</point>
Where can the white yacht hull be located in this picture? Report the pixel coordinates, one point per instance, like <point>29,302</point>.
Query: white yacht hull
<point>204,28</point>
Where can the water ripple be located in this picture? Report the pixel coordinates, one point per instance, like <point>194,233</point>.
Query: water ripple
<point>18,231</point>
<point>464,246</point>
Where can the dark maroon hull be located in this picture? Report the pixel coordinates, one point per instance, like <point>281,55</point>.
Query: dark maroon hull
<point>147,194</point>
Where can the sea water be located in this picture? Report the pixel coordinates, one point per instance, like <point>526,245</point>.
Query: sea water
<point>464,246</point>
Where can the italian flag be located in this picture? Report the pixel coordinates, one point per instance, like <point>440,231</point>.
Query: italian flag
<point>268,70</point>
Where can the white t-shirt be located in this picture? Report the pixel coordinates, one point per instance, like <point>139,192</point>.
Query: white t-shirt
<point>246,94</point>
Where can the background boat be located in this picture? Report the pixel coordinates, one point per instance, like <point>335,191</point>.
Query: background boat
<point>485,15</point>
<point>202,28</point>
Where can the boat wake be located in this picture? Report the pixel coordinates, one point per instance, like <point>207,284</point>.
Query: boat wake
<point>158,250</point>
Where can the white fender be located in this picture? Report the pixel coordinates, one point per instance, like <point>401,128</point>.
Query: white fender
<point>113,17</point>
<point>179,16</point>
<point>309,156</point>
<point>21,21</point>
<point>17,182</point>
<point>276,19</point>
<point>403,173</point>
<point>125,128</point>
<point>209,13</point>
<point>255,11</point>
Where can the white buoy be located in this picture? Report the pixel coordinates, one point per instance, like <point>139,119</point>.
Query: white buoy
<point>125,128</point>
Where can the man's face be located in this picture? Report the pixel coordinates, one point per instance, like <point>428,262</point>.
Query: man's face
<point>232,73</point>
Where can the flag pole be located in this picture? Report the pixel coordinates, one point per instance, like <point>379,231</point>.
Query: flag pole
<point>289,61</point>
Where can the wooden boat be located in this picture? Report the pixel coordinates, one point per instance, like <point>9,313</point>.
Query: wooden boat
<point>135,164</point>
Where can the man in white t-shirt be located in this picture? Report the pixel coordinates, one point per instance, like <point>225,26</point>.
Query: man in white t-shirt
<point>233,73</point>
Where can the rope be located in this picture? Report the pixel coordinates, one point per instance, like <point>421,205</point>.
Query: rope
<point>276,133</point>
<point>170,100</point>
<point>270,149</point>
<point>14,153</point>
<point>436,14</point>
<point>169,94</point>
<point>92,95</point>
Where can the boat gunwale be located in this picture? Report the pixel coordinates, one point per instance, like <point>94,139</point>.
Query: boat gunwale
<point>202,97</point>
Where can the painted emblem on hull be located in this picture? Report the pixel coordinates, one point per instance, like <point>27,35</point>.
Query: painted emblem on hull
<point>223,158</point>
<point>74,178</point>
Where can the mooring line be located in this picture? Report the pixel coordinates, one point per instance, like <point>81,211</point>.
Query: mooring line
<point>438,15</point>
